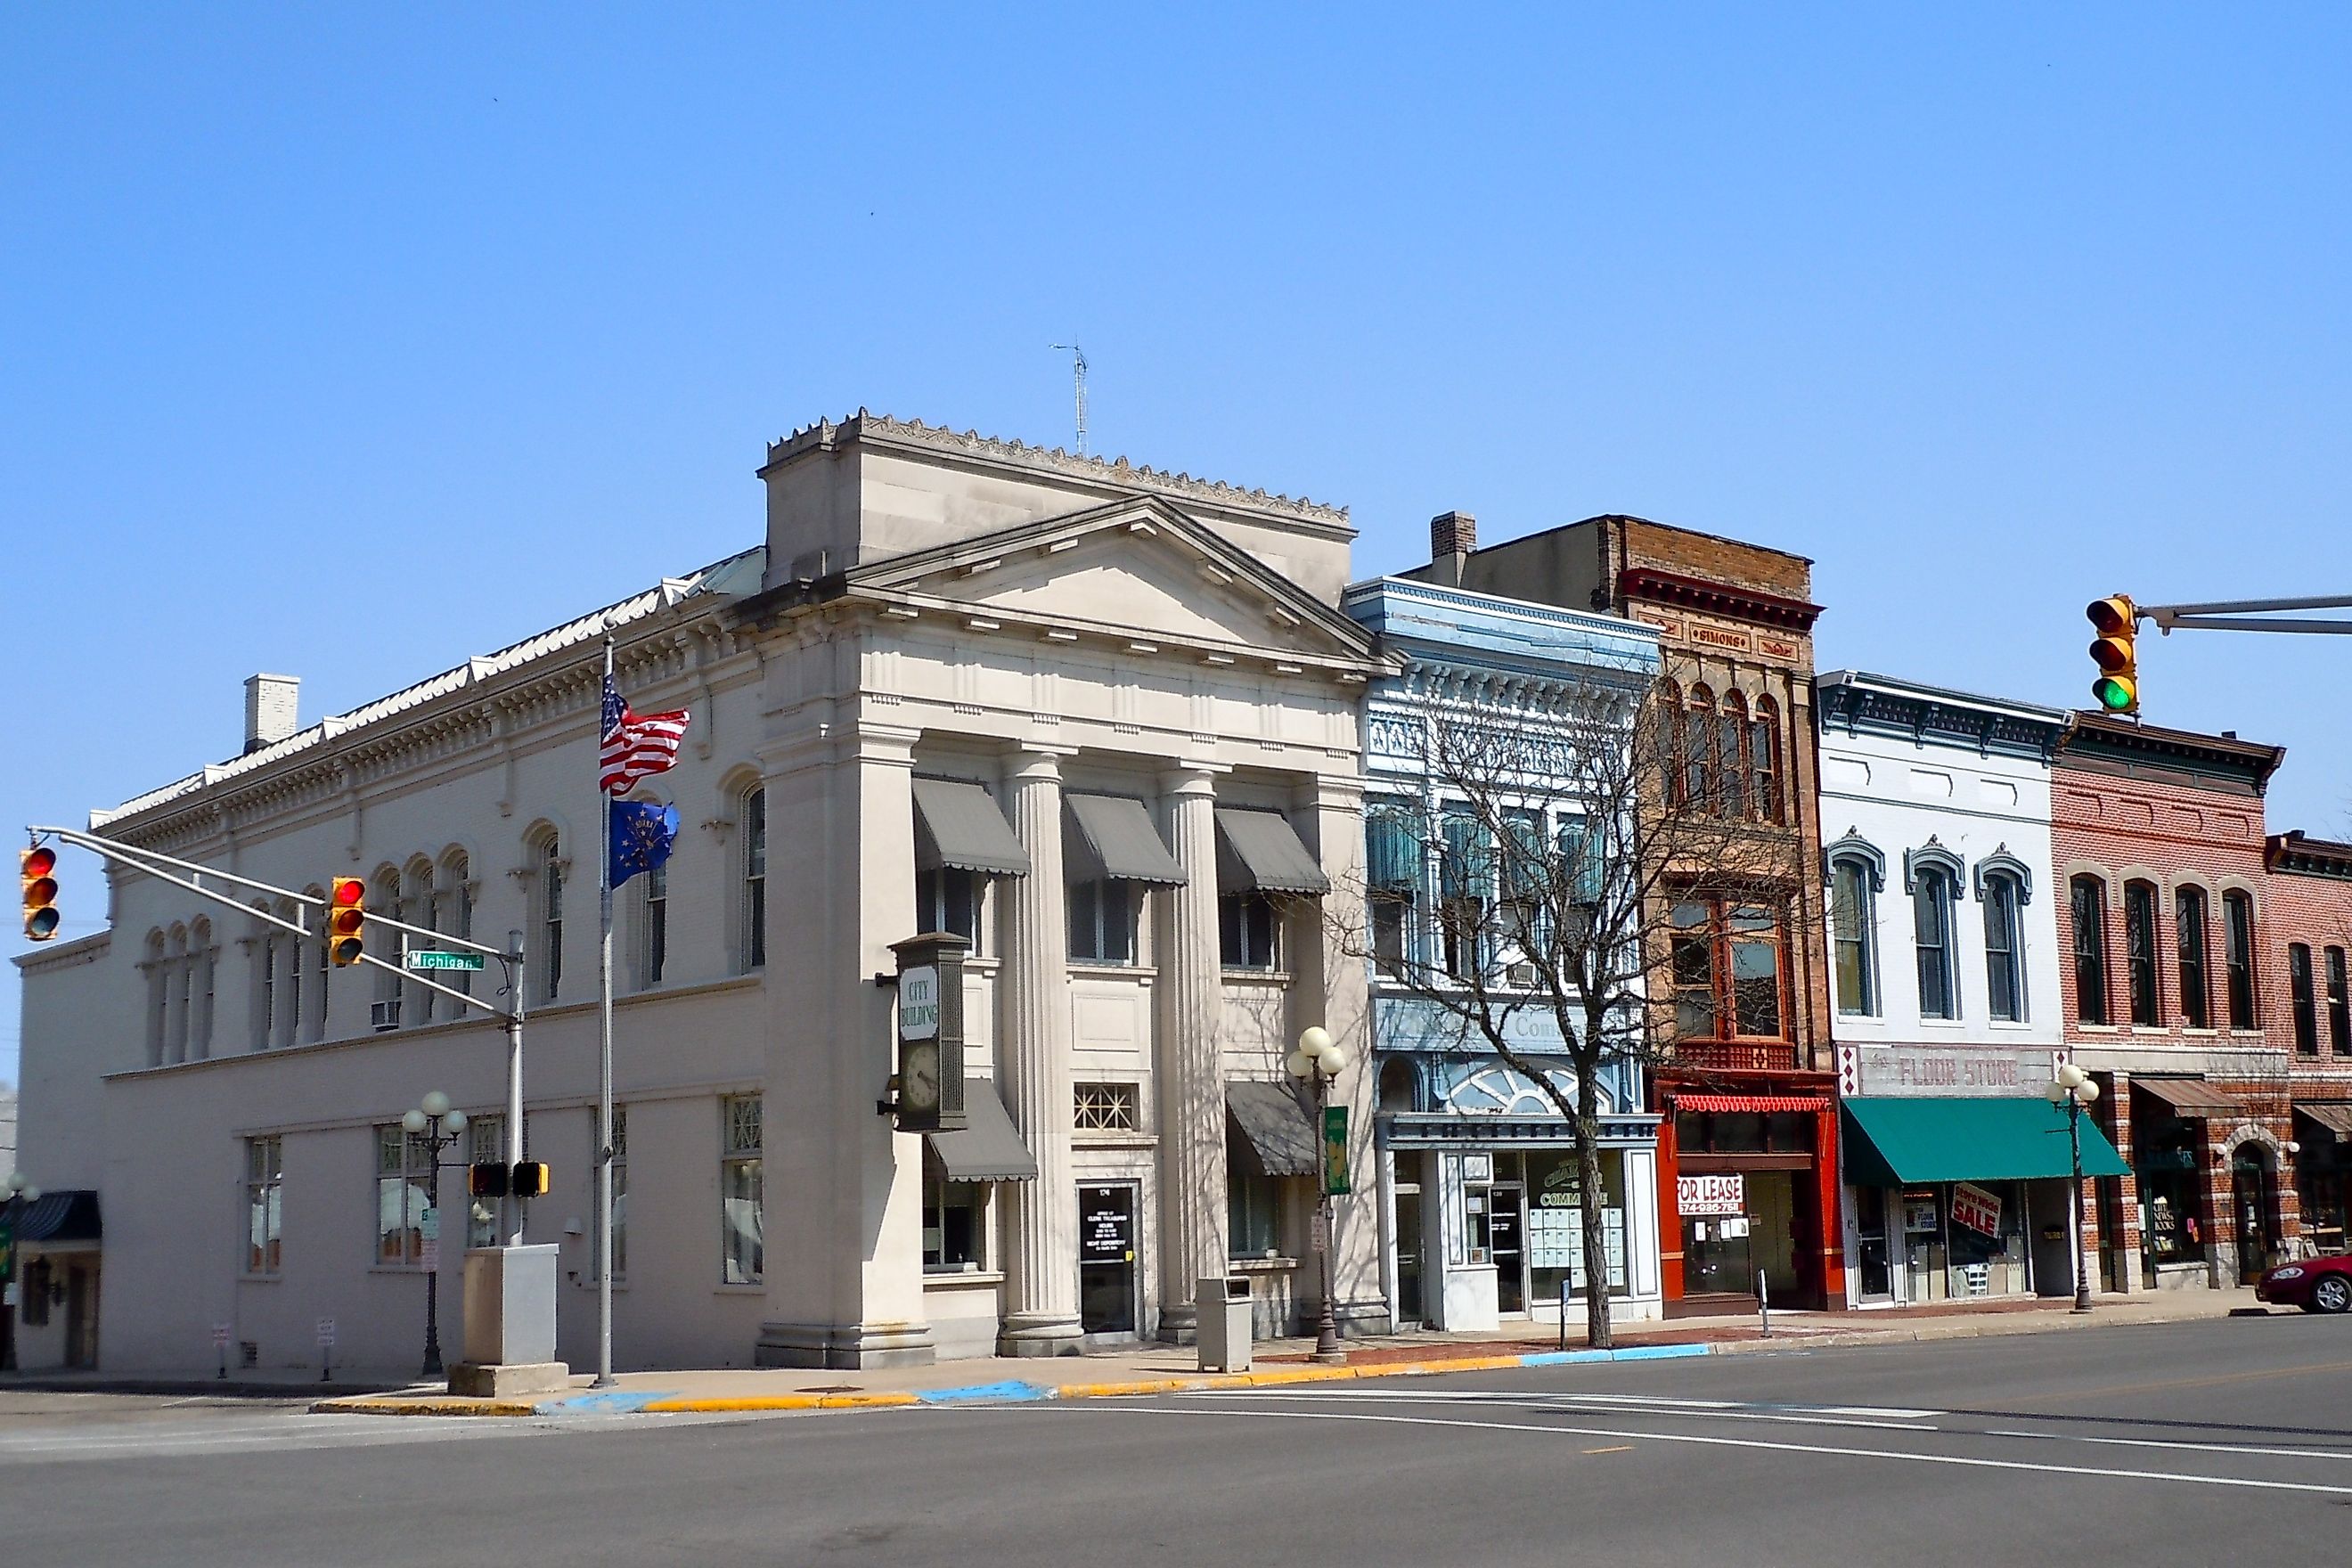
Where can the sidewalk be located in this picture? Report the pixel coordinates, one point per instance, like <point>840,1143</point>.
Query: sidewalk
<point>1160,1369</point>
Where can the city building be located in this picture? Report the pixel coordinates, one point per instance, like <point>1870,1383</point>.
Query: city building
<point>1749,1134</point>
<point>2308,892</point>
<point>1944,954</point>
<point>1091,717</point>
<point>2157,849</point>
<point>1479,1187</point>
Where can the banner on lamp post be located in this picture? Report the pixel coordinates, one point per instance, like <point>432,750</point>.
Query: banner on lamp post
<point>1334,1150</point>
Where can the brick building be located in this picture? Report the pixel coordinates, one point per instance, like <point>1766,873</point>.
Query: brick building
<point>2164,921</point>
<point>2309,895</point>
<point>1750,1098</point>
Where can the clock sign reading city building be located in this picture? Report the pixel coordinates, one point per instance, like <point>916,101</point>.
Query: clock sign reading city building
<point>929,1079</point>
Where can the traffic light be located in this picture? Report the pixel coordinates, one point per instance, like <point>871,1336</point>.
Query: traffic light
<point>36,868</point>
<point>346,913</point>
<point>2117,620</point>
<point>487,1180</point>
<point>530,1179</point>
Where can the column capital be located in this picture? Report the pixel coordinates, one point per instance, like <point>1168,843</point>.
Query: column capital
<point>1036,763</point>
<point>1192,778</point>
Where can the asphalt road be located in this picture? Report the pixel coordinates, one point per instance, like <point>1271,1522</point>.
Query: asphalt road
<point>2217,1442</point>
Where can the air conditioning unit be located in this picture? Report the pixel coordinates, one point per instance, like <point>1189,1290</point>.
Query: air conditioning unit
<point>384,1014</point>
<point>1522,976</point>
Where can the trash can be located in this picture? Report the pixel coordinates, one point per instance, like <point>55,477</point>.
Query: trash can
<point>1222,1334</point>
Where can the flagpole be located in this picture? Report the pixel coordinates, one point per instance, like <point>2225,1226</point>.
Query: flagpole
<point>605,1073</point>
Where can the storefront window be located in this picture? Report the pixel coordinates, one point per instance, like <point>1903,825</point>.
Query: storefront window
<point>2320,1172</point>
<point>2172,1220</point>
<point>1555,1223</point>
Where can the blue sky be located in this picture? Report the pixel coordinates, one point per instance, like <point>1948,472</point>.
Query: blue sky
<point>445,325</point>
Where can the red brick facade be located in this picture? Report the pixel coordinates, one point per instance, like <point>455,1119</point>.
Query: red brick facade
<point>2309,890</point>
<point>2164,827</point>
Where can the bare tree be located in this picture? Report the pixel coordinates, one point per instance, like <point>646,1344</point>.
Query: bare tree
<point>1573,854</point>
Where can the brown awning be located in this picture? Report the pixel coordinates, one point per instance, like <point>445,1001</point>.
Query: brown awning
<point>2191,1096</point>
<point>2335,1118</point>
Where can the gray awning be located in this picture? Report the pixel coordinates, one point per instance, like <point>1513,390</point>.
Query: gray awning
<point>1115,841</point>
<point>990,1150</point>
<point>958,826</point>
<point>1273,1128</point>
<point>1257,852</point>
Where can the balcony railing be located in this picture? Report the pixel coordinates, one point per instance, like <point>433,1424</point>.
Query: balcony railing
<point>1737,1056</point>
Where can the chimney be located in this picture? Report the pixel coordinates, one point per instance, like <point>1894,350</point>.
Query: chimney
<point>1453,535</point>
<point>269,709</point>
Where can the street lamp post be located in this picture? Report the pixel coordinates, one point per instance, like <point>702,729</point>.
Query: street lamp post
<point>20,1195</point>
<point>2073,1089</point>
<point>1319,1059</point>
<point>439,1127</point>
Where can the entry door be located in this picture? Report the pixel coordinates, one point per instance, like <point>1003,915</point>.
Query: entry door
<point>1507,1222</point>
<point>81,1317</point>
<point>1408,1253</point>
<point>1870,1222</point>
<point>2250,1181</point>
<point>1106,1259</point>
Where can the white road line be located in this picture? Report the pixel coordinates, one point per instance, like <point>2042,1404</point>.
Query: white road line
<point>1961,1460</point>
<point>1628,1405</point>
<point>2336,1454</point>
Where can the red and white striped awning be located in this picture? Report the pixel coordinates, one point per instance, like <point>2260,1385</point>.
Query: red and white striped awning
<point>1750,1102</point>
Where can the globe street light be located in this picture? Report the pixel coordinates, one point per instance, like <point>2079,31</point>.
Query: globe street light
<point>17,1195</point>
<point>439,1126</point>
<point>2073,1089</point>
<point>1318,1060</point>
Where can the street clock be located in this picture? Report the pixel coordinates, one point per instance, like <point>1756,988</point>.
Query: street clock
<point>927,1089</point>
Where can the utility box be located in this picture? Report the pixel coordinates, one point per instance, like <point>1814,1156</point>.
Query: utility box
<point>1222,1331</point>
<point>509,1324</point>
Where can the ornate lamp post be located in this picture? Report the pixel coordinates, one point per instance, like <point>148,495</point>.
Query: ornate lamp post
<point>2073,1089</point>
<point>439,1127</point>
<point>17,1195</point>
<point>1318,1060</point>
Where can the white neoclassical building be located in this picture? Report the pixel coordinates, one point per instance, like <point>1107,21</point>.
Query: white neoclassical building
<point>1100,719</point>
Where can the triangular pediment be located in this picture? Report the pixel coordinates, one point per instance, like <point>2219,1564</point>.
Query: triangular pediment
<point>1138,568</point>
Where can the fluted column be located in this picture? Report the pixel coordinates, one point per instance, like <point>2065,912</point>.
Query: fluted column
<point>1190,1063</point>
<point>1041,1231</point>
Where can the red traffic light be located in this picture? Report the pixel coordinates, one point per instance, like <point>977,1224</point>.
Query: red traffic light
<point>40,860</point>
<point>346,915</point>
<point>33,868</point>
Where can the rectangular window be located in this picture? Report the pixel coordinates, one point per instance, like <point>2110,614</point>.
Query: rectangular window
<point>1931,921</point>
<point>755,878</point>
<point>2339,1015</point>
<point>955,1221</point>
<point>1104,1108</point>
<point>264,1173</point>
<point>2139,954</point>
<point>1102,921</point>
<point>654,956</point>
<point>1253,1215</point>
<point>1392,863</point>
<point>1248,931</point>
<point>1851,919</point>
<point>2004,981</point>
<point>485,1145</point>
<point>741,1205</point>
<point>2086,898</point>
<point>404,1161</point>
<point>1465,884</point>
<point>2306,1005</point>
<point>1692,961</point>
<point>1755,943</point>
<point>2189,914</point>
<point>551,916</point>
<point>2238,918</point>
<point>949,900</point>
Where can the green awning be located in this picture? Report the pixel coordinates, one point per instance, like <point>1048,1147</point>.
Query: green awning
<point>1893,1142</point>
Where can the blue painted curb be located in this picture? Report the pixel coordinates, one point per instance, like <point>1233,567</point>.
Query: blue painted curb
<point>1629,1352</point>
<point>1014,1390</point>
<point>622,1403</point>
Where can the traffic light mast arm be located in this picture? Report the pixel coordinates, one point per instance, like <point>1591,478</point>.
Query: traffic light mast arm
<point>138,860</point>
<point>2237,615</point>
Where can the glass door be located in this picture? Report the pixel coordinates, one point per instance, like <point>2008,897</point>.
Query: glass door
<point>1408,1253</point>
<point>1106,1259</point>
<point>1869,1220</point>
<point>1506,1228</point>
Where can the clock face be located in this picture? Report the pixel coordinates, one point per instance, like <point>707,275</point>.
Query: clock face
<point>918,1076</point>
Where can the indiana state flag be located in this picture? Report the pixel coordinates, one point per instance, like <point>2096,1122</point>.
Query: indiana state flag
<point>642,833</point>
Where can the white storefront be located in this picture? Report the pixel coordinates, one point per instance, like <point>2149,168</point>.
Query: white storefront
<point>942,632</point>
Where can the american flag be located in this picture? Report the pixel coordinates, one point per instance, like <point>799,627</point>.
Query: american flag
<point>636,745</point>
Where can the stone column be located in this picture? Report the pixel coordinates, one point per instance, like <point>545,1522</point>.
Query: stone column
<point>1188,1066</point>
<point>1041,1229</point>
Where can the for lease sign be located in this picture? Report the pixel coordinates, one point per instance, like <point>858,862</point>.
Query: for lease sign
<point>1725,1194</point>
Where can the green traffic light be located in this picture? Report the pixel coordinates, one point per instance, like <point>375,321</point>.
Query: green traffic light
<point>2113,693</point>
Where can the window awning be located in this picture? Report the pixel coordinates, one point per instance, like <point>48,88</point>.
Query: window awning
<point>2191,1097</point>
<point>2335,1117</point>
<point>1257,852</point>
<point>1274,1128</point>
<point>67,1215</point>
<point>1750,1102</point>
<point>1115,842</point>
<point>989,1148</point>
<point>958,826</point>
<point>1893,1142</point>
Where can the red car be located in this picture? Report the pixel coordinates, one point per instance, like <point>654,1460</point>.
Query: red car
<point>2315,1284</point>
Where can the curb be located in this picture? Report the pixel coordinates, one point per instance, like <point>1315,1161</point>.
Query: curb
<point>1000,1392</point>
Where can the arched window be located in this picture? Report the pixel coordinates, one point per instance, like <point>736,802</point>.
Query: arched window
<point>754,817</point>
<point>1731,765</point>
<point>2238,916</point>
<point>2086,907</point>
<point>158,997</point>
<point>267,998</point>
<point>1934,875</point>
<point>286,1029</point>
<point>2302,999</point>
<point>179,979</point>
<point>1857,876</point>
<point>2139,954</point>
<point>1670,744</point>
<point>200,961</point>
<point>550,864</point>
<point>1698,751</point>
<point>2189,916</point>
<point>1764,760</point>
<point>2003,895</point>
<point>453,900</point>
<point>384,894</point>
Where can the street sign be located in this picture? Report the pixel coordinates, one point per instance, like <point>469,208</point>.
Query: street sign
<point>326,1330</point>
<point>433,958</point>
<point>428,1256</point>
<point>428,1223</point>
<point>220,1336</point>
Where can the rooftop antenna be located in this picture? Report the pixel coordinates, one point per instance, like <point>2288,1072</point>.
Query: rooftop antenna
<point>1079,375</point>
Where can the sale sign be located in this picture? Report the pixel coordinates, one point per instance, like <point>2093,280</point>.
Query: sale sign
<point>1976,1209</point>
